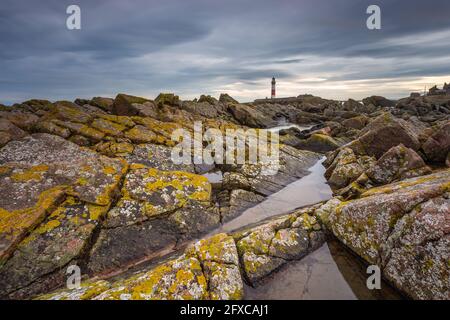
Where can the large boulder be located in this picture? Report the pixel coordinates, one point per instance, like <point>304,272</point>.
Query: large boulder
<point>23,120</point>
<point>9,131</point>
<point>54,195</point>
<point>249,116</point>
<point>383,133</point>
<point>358,122</point>
<point>437,145</point>
<point>266,247</point>
<point>403,228</point>
<point>60,240</point>
<point>267,178</point>
<point>156,210</point>
<point>105,104</point>
<point>397,163</point>
<point>156,156</point>
<point>378,101</point>
<point>226,98</point>
<point>126,105</point>
<point>208,99</point>
<point>352,105</point>
<point>70,112</point>
<point>52,127</point>
<point>346,168</point>
<point>168,99</point>
<point>318,142</point>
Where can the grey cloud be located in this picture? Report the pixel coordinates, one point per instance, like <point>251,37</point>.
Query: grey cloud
<point>251,41</point>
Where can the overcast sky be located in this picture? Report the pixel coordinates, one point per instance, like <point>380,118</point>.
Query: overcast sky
<point>190,47</point>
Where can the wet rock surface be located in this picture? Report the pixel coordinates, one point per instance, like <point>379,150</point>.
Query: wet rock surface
<point>92,183</point>
<point>208,269</point>
<point>265,248</point>
<point>401,227</point>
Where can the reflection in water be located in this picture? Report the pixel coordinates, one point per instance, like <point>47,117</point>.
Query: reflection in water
<point>214,177</point>
<point>329,273</point>
<point>353,269</point>
<point>308,190</point>
<point>289,126</point>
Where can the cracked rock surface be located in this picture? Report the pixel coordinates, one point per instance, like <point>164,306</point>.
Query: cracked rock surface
<point>91,183</point>
<point>403,228</point>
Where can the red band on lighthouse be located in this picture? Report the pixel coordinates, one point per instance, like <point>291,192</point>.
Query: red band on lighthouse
<point>273,93</point>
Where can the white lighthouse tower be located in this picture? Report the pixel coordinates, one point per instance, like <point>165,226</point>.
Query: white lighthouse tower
<point>273,93</point>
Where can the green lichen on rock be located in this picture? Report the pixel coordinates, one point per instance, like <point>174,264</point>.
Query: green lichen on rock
<point>167,99</point>
<point>68,111</point>
<point>319,143</point>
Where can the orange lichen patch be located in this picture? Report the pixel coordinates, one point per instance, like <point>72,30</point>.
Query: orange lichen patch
<point>72,210</point>
<point>14,225</point>
<point>34,173</point>
<point>140,134</point>
<point>114,149</point>
<point>97,212</point>
<point>136,166</point>
<point>104,199</point>
<point>163,130</point>
<point>208,270</point>
<point>53,221</point>
<point>109,170</point>
<point>86,168</point>
<point>5,170</point>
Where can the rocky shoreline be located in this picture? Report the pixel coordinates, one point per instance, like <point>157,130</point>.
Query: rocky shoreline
<point>91,183</point>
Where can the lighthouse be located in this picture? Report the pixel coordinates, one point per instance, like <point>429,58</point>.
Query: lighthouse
<point>272,95</point>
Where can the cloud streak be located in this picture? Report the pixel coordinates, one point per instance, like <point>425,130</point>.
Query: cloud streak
<point>198,46</point>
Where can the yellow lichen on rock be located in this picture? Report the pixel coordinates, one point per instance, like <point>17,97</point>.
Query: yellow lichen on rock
<point>207,270</point>
<point>14,225</point>
<point>108,127</point>
<point>175,188</point>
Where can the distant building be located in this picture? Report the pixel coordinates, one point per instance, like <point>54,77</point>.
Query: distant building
<point>273,92</point>
<point>446,88</point>
<point>435,91</point>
